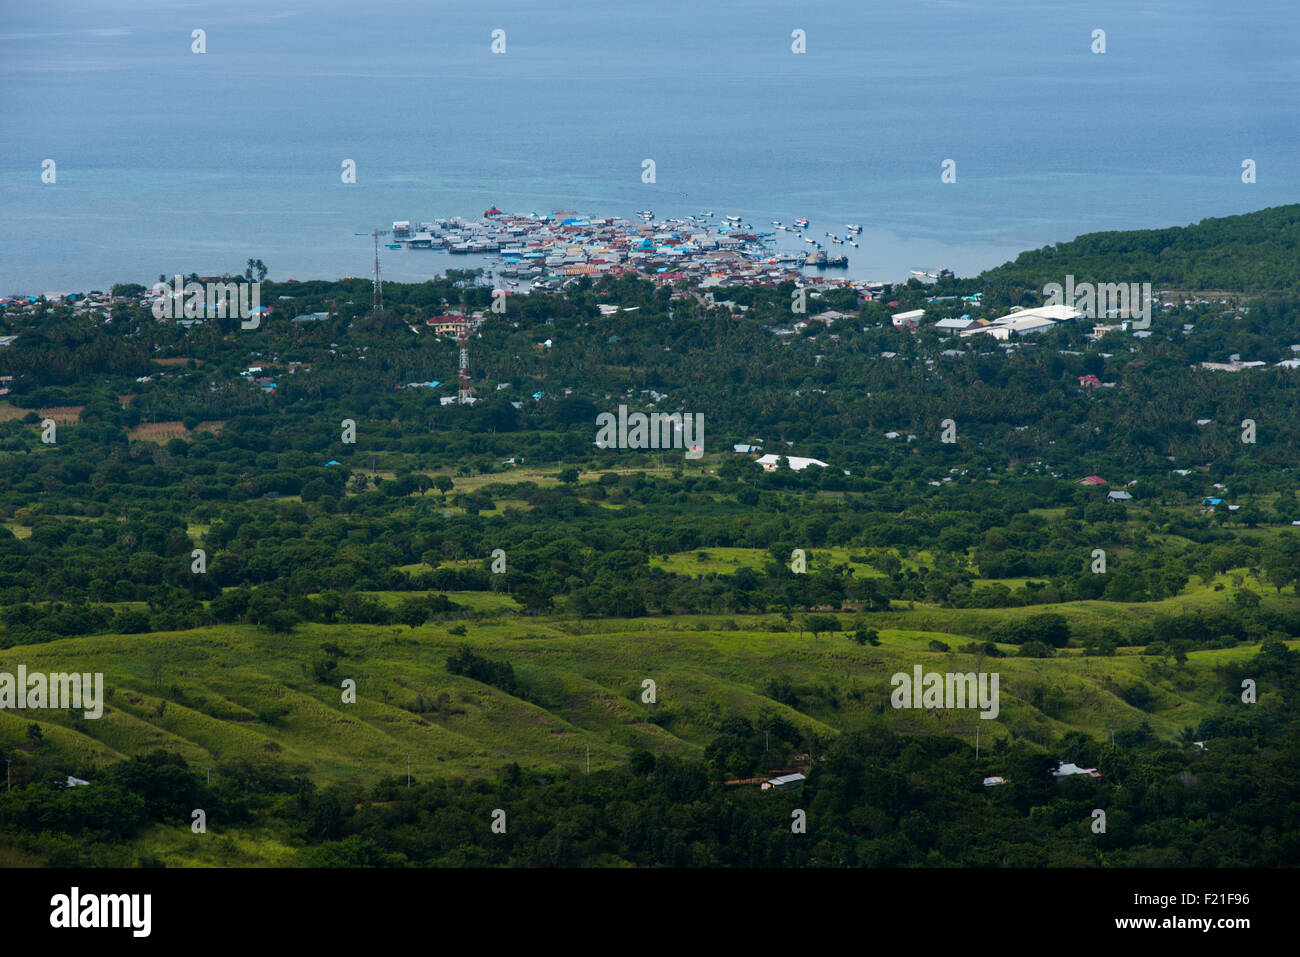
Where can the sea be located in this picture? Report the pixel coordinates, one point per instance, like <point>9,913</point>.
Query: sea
<point>958,133</point>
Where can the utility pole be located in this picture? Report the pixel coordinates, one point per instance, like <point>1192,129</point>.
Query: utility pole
<point>408,770</point>
<point>209,782</point>
<point>6,774</point>
<point>588,759</point>
<point>977,742</point>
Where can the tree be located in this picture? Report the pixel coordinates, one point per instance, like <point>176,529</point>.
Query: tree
<point>413,613</point>
<point>569,476</point>
<point>818,624</point>
<point>281,621</point>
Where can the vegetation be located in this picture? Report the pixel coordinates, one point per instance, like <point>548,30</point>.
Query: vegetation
<point>508,597</point>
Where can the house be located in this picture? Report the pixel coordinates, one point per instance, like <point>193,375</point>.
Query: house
<point>1089,381</point>
<point>746,449</point>
<point>311,317</point>
<point>1093,480</point>
<point>994,781</point>
<point>76,782</point>
<point>1211,502</point>
<point>793,461</point>
<point>955,325</point>
<point>449,324</point>
<point>1118,496</point>
<point>1066,770</point>
<point>911,318</point>
<point>786,782</point>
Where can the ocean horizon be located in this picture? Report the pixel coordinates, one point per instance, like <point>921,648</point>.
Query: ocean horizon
<point>168,161</point>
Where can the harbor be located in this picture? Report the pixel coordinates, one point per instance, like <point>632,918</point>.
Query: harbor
<point>549,250</point>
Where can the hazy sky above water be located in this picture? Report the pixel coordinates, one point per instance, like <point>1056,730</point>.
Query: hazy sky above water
<point>171,161</point>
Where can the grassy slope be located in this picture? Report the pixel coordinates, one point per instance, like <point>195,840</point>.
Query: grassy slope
<point>585,681</point>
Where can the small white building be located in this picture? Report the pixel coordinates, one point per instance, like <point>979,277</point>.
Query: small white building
<point>783,783</point>
<point>1065,770</point>
<point>910,318</point>
<point>793,461</point>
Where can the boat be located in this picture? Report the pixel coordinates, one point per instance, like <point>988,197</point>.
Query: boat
<point>822,261</point>
<point>776,222</point>
<point>802,222</point>
<point>854,228</point>
<point>392,245</point>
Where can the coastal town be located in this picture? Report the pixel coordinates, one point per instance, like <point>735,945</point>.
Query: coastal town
<point>543,250</point>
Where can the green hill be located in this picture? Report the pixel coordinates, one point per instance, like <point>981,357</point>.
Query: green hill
<point>1254,252</point>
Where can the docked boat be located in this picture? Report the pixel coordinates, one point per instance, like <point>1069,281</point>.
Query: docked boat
<point>801,222</point>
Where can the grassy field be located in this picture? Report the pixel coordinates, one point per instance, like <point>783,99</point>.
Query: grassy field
<point>238,692</point>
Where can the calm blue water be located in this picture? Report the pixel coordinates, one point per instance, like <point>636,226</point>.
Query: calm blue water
<point>171,162</point>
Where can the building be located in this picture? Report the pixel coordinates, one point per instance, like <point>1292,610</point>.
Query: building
<point>1093,480</point>
<point>1118,496</point>
<point>793,461</point>
<point>911,318</point>
<point>1023,322</point>
<point>786,782</point>
<point>449,324</point>
<point>1066,770</point>
<point>954,325</point>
